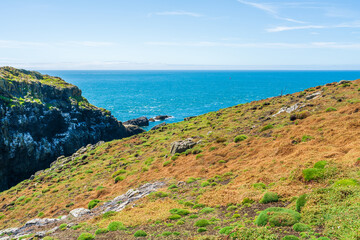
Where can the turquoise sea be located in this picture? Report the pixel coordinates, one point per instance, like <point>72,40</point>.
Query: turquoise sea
<point>132,94</point>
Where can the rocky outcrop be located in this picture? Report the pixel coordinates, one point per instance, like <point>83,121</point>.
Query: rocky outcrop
<point>141,122</point>
<point>43,117</point>
<point>158,126</point>
<point>182,146</point>
<point>162,117</point>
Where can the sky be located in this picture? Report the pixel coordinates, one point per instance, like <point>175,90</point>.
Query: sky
<point>180,34</point>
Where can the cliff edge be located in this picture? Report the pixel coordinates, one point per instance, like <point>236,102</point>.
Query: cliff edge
<point>43,117</point>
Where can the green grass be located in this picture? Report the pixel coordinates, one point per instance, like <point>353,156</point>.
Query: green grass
<point>202,223</point>
<point>140,233</point>
<point>93,203</point>
<point>269,197</point>
<point>240,138</point>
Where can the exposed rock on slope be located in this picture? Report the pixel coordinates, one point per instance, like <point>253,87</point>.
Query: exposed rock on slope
<point>43,117</point>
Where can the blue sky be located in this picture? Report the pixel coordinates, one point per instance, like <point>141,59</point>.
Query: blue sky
<point>180,34</point>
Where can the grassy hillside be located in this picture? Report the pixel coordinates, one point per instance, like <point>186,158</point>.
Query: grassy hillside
<point>250,157</point>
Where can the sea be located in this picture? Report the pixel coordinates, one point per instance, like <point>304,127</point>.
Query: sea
<point>180,94</point>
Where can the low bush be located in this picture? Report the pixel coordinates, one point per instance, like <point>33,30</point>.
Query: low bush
<point>346,182</point>
<point>331,109</point>
<point>207,210</point>
<point>101,231</point>
<point>200,230</point>
<point>290,237</point>
<point>119,179</point>
<point>86,236</point>
<point>202,223</point>
<point>140,233</point>
<point>240,138</point>
<point>267,127</point>
<point>180,211</point>
<point>320,164</point>
<point>269,197</point>
<point>226,230</point>
<point>174,217</point>
<point>63,226</point>
<point>313,174</point>
<point>277,216</point>
<point>301,227</point>
<point>93,203</point>
<point>300,202</point>
<point>115,226</point>
<point>259,186</point>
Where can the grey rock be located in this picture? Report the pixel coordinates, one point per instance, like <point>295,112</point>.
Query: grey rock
<point>40,222</point>
<point>78,212</point>
<point>344,81</point>
<point>182,145</point>
<point>158,126</point>
<point>141,122</point>
<point>162,117</point>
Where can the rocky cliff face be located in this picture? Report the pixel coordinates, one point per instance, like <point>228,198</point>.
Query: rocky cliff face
<point>43,117</point>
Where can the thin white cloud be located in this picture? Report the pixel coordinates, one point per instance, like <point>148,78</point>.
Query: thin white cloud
<point>286,28</point>
<point>269,9</point>
<point>177,13</point>
<point>332,45</point>
<point>355,24</point>
<point>25,44</point>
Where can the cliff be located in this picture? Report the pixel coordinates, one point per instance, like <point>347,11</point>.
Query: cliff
<point>43,117</point>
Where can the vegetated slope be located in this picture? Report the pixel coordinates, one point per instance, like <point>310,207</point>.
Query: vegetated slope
<point>43,117</point>
<point>260,156</point>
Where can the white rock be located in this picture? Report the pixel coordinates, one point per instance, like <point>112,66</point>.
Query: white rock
<point>78,212</point>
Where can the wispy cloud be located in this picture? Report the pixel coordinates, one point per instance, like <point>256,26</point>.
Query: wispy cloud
<point>25,44</point>
<point>177,13</point>
<point>270,9</point>
<point>332,45</point>
<point>355,24</point>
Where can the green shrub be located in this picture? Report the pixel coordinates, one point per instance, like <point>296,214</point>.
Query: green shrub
<point>189,204</point>
<point>290,237</point>
<point>140,233</point>
<point>301,227</point>
<point>101,231</point>
<point>121,171</point>
<point>226,230</point>
<point>323,238</point>
<point>93,203</point>
<point>236,216</point>
<point>63,226</point>
<point>277,216</point>
<point>180,211</point>
<point>89,171</point>
<point>205,184</point>
<point>200,230</point>
<point>231,208</point>
<point>240,138</point>
<point>76,227</point>
<point>330,109</point>
<point>166,233</point>
<point>202,223</point>
<point>320,164</point>
<point>313,174</point>
<point>306,138</point>
<point>247,201</point>
<point>115,226</point>
<point>190,180</point>
<point>193,216</point>
<point>207,210</point>
<point>180,222</point>
<point>259,186</point>
<point>172,186</point>
<point>269,197</point>
<point>86,236</point>
<point>176,233</point>
<point>300,202</point>
<point>267,127</point>
<point>346,182</point>
<point>108,214</point>
<point>119,179</point>
<point>174,217</point>
<point>166,163</point>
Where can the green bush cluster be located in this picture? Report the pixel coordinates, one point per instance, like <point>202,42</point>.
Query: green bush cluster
<point>101,231</point>
<point>301,227</point>
<point>115,226</point>
<point>86,236</point>
<point>202,223</point>
<point>290,237</point>
<point>330,109</point>
<point>300,202</point>
<point>140,233</point>
<point>182,212</point>
<point>269,197</point>
<point>93,203</point>
<point>267,127</point>
<point>240,138</point>
<point>277,216</point>
<point>317,172</point>
<point>346,182</point>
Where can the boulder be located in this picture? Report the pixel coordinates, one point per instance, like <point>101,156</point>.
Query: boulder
<point>78,212</point>
<point>188,118</point>
<point>141,122</point>
<point>162,117</point>
<point>344,81</point>
<point>151,120</point>
<point>182,145</point>
<point>158,126</point>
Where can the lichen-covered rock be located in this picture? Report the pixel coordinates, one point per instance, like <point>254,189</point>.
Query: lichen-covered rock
<point>78,212</point>
<point>42,118</point>
<point>182,146</point>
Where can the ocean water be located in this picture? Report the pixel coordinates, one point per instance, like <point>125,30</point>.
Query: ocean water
<point>132,94</point>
